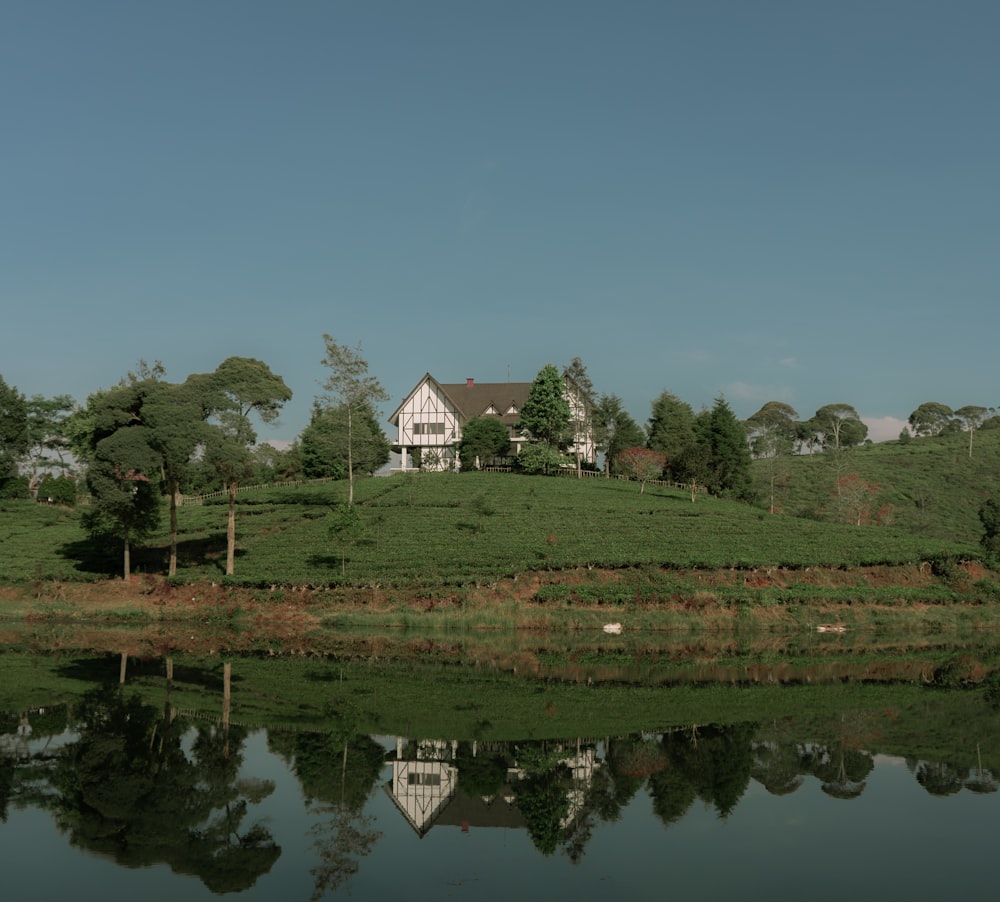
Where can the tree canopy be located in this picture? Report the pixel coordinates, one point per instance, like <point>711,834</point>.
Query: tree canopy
<point>323,446</point>
<point>350,387</point>
<point>483,438</point>
<point>545,413</point>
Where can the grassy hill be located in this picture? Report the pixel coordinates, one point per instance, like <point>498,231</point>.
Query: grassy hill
<point>475,528</point>
<point>928,486</point>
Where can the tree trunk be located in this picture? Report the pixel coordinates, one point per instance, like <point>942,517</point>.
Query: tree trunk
<point>350,459</point>
<point>127,562</point>
<point>231,531</point>
<point>172,566</point>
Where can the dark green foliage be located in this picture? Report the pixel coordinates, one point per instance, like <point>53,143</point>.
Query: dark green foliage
<point>546,414</point>
<point>57,490</point>
<point>671,431</point>
<point>15,487</point>
<point>14,435</point>
<point>989,516</point>
<point>323,446</point>
<point>483,440</point>
<point>722,435</point>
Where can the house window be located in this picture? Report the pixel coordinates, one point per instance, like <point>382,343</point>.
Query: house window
<point>428,428</point>
<point>413,779</point>
<point>512,410</point>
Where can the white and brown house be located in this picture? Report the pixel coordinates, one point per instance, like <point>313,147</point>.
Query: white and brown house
<point>430,419</point>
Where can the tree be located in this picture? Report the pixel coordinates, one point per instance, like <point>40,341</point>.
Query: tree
<point>483,438</point>
<point>46,429</point>
<point>771,432</point>
<point>239,387</point>
<point>989,516</point>
<point>855,498</point>
<point>930,418</point>
<point>972,417</point>
<point>349,386</point>
<point>641,464</point>
<point>123,473</point>
<point>176,416</point>
<point>546,412</point>
<point>575,377</point>
<point>14,435</point>
<point>615,430</point>
<point>671,430</point>
<point>722,434</point>
<point>839,425</point>
<point>323,445</point>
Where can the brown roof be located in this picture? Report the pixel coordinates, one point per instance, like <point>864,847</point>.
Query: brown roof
<point>475,399</point>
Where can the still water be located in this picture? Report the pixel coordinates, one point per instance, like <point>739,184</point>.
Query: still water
<point>146,788</point>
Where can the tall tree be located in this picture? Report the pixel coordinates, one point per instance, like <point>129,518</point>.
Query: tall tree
<point>349,386</point>
<point>14,437</point>
<point>671,430</point>
<point>240,387</point>
<point>930,418</point>
<point>546,412</point>
<point>323,446</point>
<point>972,417</point>
<point>771,432</point>
<point>582,403</point>
<point>46,429</point>
<point>124,467</point>
<point>176,415</point>
<point>615,430</point>
<point>723,435</point>
<point>840,426</point>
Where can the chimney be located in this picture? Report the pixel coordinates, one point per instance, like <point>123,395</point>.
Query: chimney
<point>469,383</point>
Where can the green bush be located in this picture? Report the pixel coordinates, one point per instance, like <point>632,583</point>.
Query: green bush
<point>58,490</point>
<point>14,487</point>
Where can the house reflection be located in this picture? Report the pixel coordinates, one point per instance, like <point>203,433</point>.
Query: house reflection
<point>426,789</point>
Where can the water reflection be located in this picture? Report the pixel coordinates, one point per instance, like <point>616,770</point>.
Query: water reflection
<point>137,774</point>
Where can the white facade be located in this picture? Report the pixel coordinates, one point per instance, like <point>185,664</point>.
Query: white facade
<point>429,421</point>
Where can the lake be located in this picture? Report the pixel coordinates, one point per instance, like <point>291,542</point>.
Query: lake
<point>464,768</point>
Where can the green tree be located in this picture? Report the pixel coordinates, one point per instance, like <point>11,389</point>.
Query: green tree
<point>577,379</point>
<point>346,528</point>
<point>723,435</point>
<point>989,516</point>
<point>124,468</point>
<point>14,435</point>
<point>614,430</point>
<point>972,417</point>
<point>671,431</point>
<point>546,412</point>
<point>323,446</point>
<point>930,418</point>
<point>239,388</point>
<point>46,430</point>
<point>176,416</point>
<point>483,438</point>
<point>771,432</point>
<point>838,426</point>
<point>349,386</point>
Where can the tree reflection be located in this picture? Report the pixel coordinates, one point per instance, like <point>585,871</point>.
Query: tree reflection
<point>127,789</point>
<point>337,775</point>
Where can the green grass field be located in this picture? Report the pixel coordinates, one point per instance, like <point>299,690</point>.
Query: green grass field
<point>462,529</point>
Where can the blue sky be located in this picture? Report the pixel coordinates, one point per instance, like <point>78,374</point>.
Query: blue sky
<point>791,200</point>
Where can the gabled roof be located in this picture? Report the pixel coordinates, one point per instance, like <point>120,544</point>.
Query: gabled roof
<point>473,400</point>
